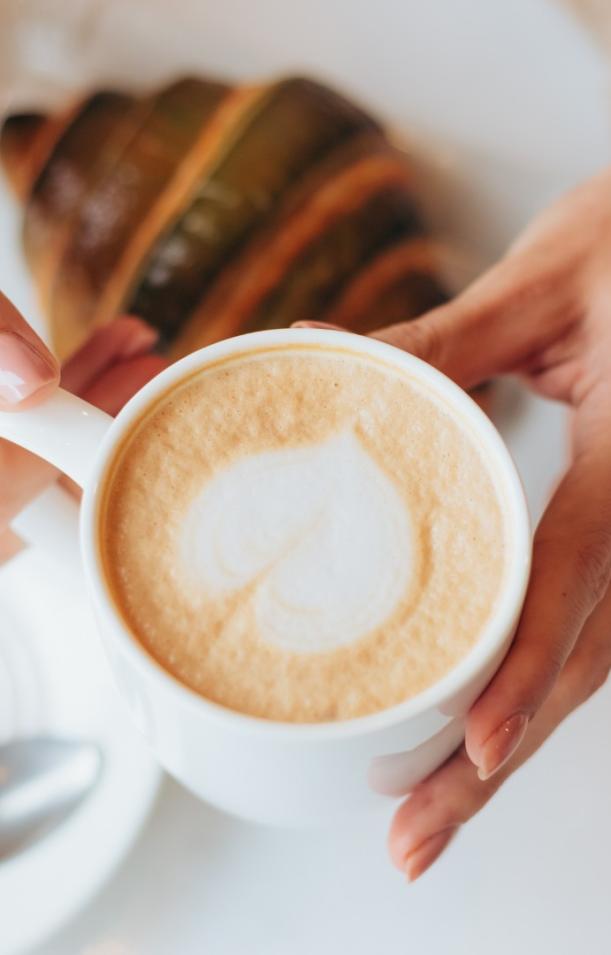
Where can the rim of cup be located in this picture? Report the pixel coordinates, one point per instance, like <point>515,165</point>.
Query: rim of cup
<point>517,521</point>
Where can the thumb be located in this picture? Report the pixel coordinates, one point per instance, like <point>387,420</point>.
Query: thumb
<point>494,326</point>
<point>28,370</point>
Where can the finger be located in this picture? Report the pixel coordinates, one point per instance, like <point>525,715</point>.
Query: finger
<point>421,858</point>
<point>323,325</point>
<point>455,793</point>
<point>28,370</point>
<point>24,476</point>
<point>10,545</point>
<point>124,338</point>
<point>111,390</point>
<point>482,395</point>
<point>452,795</point>
<point>570,573</point>
<point>495,326</point>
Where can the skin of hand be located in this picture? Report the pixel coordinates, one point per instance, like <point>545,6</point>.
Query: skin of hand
<point>114,363</point>
<point>542,313</point>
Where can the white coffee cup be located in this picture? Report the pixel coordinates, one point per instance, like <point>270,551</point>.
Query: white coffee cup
<point>278,773</point>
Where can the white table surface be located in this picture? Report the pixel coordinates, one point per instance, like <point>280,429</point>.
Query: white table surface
<point>518,98</point>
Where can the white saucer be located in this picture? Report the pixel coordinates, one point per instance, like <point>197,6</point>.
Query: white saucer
<point>54,678</point>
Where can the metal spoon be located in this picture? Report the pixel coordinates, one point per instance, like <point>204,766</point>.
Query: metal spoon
<point>42,781</point>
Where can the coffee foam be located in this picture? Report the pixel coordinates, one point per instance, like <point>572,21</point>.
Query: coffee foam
<point>303,535</point>
<point>319,534</point>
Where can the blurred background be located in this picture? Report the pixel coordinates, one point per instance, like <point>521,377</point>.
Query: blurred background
<point>503,106</point>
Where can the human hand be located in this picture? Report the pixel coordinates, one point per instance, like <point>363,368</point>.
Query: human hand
<point>111,366</point>
<point>543,312</point>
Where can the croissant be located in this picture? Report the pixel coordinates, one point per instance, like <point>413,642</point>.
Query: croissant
<point>211,209</point>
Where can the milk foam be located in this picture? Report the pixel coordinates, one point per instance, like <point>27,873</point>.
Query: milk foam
<point>303,535</point>
<point>320,534</point>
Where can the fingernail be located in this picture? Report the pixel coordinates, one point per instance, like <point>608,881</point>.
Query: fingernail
<point>501,745</point>
<point>318,325</point>
<point>142,337</point>
<point>23,370</point>
<point>10,546</point>
<point>419,860</point>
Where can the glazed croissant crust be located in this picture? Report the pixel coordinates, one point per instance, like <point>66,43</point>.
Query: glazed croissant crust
<point>211,210</point>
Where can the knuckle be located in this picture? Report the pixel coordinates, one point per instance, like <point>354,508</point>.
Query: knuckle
<point>548,663</point>
<point>588,668</point>
<point>480,792</point>
<point>592,680</point>
<point>530,682</point>
<point>593,562</point>
<point>587,559</point>
<point>424,340</point>
<point>472,795</point>
<point>598,679</point>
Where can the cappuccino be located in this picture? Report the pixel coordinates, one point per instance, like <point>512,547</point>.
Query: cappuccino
<point>303,534</point>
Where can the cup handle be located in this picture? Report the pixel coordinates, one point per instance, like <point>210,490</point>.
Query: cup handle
<point>67,432</point>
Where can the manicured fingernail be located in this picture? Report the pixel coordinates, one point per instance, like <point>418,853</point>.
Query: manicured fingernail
<point>317,325</point>
<point>501,745</point>
<point>23,370</point>
<point>141,338</point>
<point>419,860</point>
<point>10,546</point>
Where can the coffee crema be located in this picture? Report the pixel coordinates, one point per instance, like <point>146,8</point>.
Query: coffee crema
<point>303,534</point>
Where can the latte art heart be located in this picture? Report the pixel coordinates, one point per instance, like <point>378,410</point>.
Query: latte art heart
<point>303,535</point>
<point>319,535</point>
